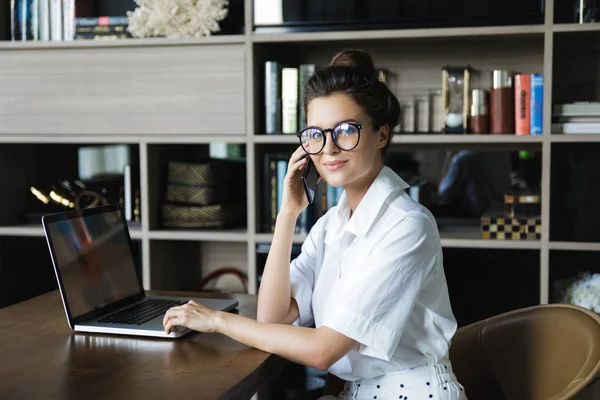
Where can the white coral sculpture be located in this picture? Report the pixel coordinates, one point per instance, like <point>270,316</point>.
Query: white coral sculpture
<point>176,18</point>
<point>583,291</point>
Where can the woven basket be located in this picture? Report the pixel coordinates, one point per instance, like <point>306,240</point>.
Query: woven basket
<point>194,195</point>
<point>212,173</point>
<point>214,216</point>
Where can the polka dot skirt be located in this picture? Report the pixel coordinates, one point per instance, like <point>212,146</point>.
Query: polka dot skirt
<point>435,382</point>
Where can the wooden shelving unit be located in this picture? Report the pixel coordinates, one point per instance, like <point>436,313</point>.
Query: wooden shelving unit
<point>154,93</point>
<point>400,34</point>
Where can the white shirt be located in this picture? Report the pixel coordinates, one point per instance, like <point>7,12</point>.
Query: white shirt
<point>377,278</point>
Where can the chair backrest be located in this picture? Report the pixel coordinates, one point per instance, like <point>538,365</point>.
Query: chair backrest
<point>542,352</point>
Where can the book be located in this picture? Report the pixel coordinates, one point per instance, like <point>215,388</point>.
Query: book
<point>24,19</point>
<point>537,104</point>
<point>271,189</point>
<point>5,20</point>
<point>305,72</point>
<point>44,20</point>
<point>576,127</point>
<point>289,100</point>
<point>272,97</point>
<point>102,29</point>
<point>34,25</point>
<point>68,19</point>
<point>522,104</point>
<point>282,166</point>
<point>101,36</point>
<point>56,29</point>
<point>577,119</point>
<point>577,109</point>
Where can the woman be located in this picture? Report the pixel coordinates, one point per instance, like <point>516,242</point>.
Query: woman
<point>370,275</point>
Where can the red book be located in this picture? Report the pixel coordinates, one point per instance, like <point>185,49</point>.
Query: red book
<point>522,104</point>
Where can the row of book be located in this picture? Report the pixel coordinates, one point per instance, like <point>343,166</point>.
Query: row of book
<point>43,20</point>
<point>284,109</point>
<point>276,165</point>
<point>55,20</point>
<point>529,104</point>
<point>576,118</point>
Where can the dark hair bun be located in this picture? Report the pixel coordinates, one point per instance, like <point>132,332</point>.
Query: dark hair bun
<point>353,72</point>
<point>358,59</point>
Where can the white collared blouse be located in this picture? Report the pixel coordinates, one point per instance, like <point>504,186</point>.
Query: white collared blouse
<point>377,278</point>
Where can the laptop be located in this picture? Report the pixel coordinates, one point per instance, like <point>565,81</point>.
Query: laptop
<point>100,287</point>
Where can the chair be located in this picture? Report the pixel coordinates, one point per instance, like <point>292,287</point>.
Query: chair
<point>549,352</point>
<point>541,352</point>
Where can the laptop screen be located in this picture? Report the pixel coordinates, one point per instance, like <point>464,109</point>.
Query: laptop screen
<point>93,255</point>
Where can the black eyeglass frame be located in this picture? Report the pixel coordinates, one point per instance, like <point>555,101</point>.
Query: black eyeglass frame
<point>324,132</point>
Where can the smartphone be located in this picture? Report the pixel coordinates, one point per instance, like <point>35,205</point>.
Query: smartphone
<point>310,179</point>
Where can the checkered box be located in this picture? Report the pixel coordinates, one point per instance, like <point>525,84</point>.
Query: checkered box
<point>517,228</point>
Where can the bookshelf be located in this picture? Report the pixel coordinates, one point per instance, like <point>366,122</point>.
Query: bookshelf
<point>165,95</point>
<point>141,42</point>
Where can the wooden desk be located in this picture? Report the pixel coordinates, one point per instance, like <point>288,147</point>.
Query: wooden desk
<point>41,358</point>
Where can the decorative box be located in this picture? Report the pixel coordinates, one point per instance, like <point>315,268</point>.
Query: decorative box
<point>516,228</point>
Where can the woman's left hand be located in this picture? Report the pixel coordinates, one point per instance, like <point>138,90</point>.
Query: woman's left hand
<point>193,316</point>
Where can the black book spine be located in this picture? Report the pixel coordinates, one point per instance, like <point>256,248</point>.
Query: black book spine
<point>101,36</point>
<point>98,29</point>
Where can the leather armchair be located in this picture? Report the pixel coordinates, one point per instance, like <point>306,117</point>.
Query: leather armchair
<point>541,352</point>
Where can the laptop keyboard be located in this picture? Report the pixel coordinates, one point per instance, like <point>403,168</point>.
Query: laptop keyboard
<point>141,312</point>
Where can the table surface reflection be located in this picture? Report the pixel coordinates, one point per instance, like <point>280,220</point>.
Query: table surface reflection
<point>42,358</point>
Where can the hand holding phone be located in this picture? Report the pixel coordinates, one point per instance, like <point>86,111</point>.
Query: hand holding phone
<point>310,180</point>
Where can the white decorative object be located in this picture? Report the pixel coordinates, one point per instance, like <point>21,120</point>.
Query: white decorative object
<point>583,291</point>
<point>176,18</point>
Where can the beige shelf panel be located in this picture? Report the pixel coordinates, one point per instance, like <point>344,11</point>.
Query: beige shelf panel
<point>22,230</point>
<point>575,246</point>
<point>238,235</point>
<point>470,237</point>
<point>276,139</point>
<point>520,30</point>
<point>132,42</point>
<point>114,139</point>
<point>570,138</point>
<point>466,139</point>
<point>460,240</point>
<point>566,28</point>
<point>268,237</point>
<point>433,139</point>
<point>36,230</point>
<point>176,89</point>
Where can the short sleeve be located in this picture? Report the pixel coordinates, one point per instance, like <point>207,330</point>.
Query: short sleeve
<point>373,307</point>
<point>302,275</point>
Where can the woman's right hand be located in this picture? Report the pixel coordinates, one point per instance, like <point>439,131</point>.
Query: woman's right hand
<point>294,199</point>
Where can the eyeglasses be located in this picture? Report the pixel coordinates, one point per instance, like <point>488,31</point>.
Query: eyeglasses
<point>345,136</point>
